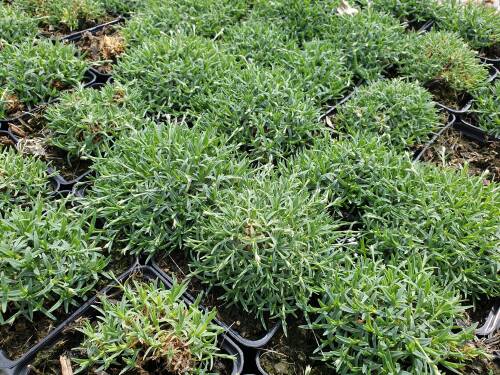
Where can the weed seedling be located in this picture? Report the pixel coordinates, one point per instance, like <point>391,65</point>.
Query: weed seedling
<point>150,327</point>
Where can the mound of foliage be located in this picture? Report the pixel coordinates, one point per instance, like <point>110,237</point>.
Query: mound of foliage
<point>150,187</point>
<point>406,10</point>
<point>22,179</point>
<point>264,111</point>
<point>86,121</point>
<point>443,59</point>
<point>486,107</point>
<point>371,41</point>
<point>390,319</point>
<point>49,259</point>
<point>16,25</point>
<point>170,71</point>
<point>254,240</point>
<point>37,70</point>
<point>399,113</point>
<point>173,336</point>
<point>405,208</point>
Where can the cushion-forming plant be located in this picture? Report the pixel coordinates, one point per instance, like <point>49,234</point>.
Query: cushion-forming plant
<point>16,25</point>
<point>370,40</point>
<point>479,25</point>
<point>63,14</point>
<point>170,71</point>
<point>150,326</point>
<point>486,107</point>
<point>86,121</point>
<point>264,111</point>
<point>406,10</point>
<point>269,245</point>
<point>398,112</point>
<point>35,71</point>
<point>22,179</point>
<point>150,187</point>
<point>406,207</point>
<point>443,59</point>
<point>390,319</point>
<point>49,259</point>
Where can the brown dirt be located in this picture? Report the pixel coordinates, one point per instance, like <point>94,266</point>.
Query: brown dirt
<point>106,45</point>
<point>248,326</point>
<point>454,149</point>
<point>448,97</point>
<point>5,141</point>
<point>292,354</point>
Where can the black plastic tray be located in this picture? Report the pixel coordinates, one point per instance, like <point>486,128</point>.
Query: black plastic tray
<point>77,35</point>
<point>20,366</point>
<point>242,341</point>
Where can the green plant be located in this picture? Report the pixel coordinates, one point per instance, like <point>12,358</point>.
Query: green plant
<point>448,62</point>
<point>401,113</point>
<point>150,325</point>
<point>36,71</point>
<point>150,187</point>
<point>301,19</point>
<point>406,10</point>
<point>22,179</point>
<point>391,319</point>
<point>406,208</point>
<point>16,26</point>
<point>121,7</point>
<point>321,70</point>
<point>486,107</point>
<point>264,111</point>
<point>268,244</point>
<point>206,18</point>
<point>63,14</point>
<point>170,71</point>
<point>49,259</point>
<point>479,25</point>
<point>87,121</point>
<point>371,41</point>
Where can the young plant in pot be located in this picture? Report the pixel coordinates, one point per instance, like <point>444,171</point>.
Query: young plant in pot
<point>50,259</point>
<point>402,114</point>
<point>267,245</point>
<point>16,25</point>
<point>444,63</point>
<point>36,71</point>
<point>391,318</point>
<point>142,325</point>
<point>485,110</point>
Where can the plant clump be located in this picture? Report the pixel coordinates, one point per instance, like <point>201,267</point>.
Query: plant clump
<point>36,71</point>
<point>169,72</point>
<point>398,112</point>
<point>443,62</point>
<point>371,41</point>
<point>486,107</point>
<point>150,326</point>
<point>406,208</point>
<point>63,14</point>
<point>86,122</point>
<point>479,25</point>
<point>49,259</point>
<point>406,10</point>
<point>16,26</point>
<point>264,111</point>
<point>149,189</point>
<point>254,241</point>
<point>22,179</point>
<point>391,319</point>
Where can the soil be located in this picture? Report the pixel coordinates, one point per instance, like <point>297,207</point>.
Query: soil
<point>249,327</point>
<point>62,31</point>
<point>448,97</point>
<point>292,354</point>
<point>492,52</point>
<point>458,149</point>
<point>102,47</point>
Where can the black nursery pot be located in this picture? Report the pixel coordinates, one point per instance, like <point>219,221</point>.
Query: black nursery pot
<point>230,327</point>
<point>92,30</point>
<point>87,310</point>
